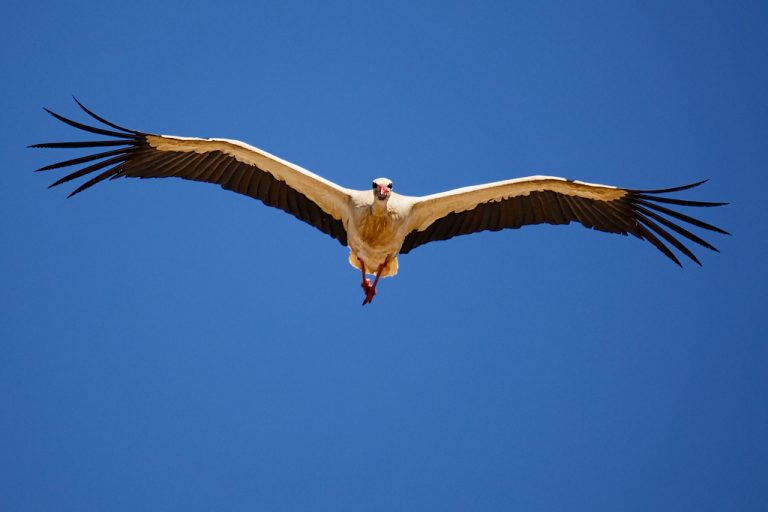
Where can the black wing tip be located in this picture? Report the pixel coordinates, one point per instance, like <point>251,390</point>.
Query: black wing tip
<point>102,120</point>
<point>693,257</point>
<point>123,137</point>
<point>670,255</point>
<point>698,183</point>
<point>678,202</point>
<point>122,133</point>
<point>672,189</point>
<point>718,230</point>
<point>649,198</point>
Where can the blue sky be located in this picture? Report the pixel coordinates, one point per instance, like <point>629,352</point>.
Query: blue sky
<point>171,346</point>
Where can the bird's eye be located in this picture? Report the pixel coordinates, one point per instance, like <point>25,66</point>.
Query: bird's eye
<point>374,184</point>
<point>389,186</point>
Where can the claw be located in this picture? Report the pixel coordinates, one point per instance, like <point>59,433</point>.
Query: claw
<point>369,290</point>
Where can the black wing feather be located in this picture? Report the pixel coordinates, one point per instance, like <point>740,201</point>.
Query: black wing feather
<point>637,213</point>
<point>137,159</point>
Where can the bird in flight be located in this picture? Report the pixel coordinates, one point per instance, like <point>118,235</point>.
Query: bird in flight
<point>379,224</point>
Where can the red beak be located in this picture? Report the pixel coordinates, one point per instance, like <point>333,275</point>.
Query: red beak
<point>382,191</point>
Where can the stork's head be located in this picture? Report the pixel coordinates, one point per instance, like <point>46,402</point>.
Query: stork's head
<point>382,188</point>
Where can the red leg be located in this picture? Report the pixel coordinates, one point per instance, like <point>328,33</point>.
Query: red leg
<point>378,273</point>
<point>370,289</point>
<point>362,269</point>
<point>367,288</point>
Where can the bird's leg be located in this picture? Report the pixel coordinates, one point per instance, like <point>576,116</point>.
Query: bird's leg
<point>370,289</point>
<point>366,283</point>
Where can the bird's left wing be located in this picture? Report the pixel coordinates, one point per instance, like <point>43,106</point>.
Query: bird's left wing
<point>232,164</point>
<point>547,199</point>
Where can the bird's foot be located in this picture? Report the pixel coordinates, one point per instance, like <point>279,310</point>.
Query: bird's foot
<point>369,290</point>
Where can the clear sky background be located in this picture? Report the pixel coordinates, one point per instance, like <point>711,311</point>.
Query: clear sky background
<point>168,345</point>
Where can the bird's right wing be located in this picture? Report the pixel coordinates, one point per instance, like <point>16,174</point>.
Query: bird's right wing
<point>232,164</point>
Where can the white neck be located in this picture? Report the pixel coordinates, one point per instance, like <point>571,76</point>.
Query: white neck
<point>379,207</point>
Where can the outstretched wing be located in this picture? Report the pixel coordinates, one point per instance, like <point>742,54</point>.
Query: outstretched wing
<point>232,164</point>
<point>551,200</point>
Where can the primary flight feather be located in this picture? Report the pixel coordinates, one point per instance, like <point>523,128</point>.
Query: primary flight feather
<point>378,224</point>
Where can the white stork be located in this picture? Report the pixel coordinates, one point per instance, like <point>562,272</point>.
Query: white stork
<point>378,224</point>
